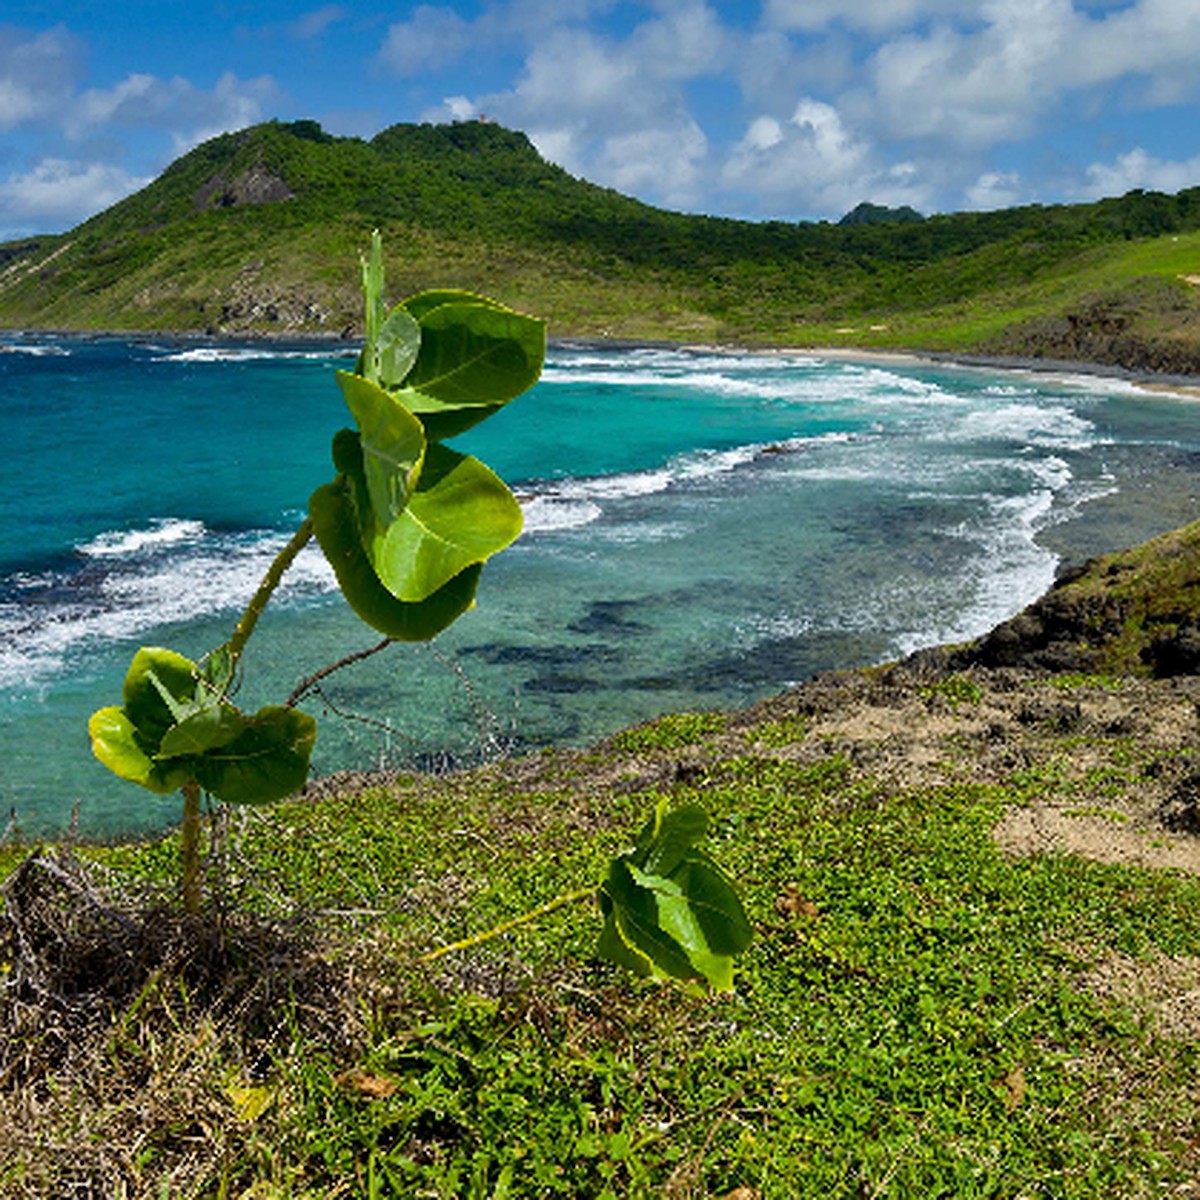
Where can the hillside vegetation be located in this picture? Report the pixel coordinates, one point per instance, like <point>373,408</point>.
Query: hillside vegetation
<point>258,232</point>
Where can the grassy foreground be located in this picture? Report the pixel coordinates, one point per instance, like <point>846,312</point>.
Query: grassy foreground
<point>928,1008</point>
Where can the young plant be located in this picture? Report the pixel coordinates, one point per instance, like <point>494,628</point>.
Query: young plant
<point>407,524</point>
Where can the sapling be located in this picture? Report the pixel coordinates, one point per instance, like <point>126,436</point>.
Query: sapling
<point>407,524</point>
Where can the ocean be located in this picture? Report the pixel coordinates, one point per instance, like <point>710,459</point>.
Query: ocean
<point>702,529</point>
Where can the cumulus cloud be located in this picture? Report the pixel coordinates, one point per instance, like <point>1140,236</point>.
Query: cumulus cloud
<point>41,95</point>
<point>452,108</point>
<point>430,38</point>
<point>876,16</point>
<point>58,193</point>
<point>815,161</point>
<point>666,162</point>
<point>995,189</point>
<point>975,88</point>
<point>38,75</point>
<point>147,102</point>
<point>612,108</point>
<point>1138,169</point>
<point>995,77</point>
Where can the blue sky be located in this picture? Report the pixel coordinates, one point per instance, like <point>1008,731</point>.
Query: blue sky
<point>790,109</point>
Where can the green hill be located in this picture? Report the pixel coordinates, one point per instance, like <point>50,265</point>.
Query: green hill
<point>258,232</point>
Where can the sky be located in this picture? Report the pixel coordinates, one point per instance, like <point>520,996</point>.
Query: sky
<point>762,109</point>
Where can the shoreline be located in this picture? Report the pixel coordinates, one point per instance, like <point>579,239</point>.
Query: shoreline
<point>1095,527</point>
<point>1187,386</point>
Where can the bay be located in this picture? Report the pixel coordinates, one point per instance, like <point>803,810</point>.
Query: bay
<point>702,529</point>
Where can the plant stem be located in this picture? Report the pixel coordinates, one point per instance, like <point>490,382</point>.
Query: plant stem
<point>304,685</point>
<point>477,939</point>
<point>270,581</point>
<point>190,850</point>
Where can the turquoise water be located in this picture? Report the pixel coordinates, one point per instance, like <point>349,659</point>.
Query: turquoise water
<point>702,529</point>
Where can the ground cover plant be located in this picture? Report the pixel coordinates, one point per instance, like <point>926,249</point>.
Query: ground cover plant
<point>927,1009</point>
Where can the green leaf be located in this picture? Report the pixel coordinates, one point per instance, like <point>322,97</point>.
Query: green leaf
<point>210,727</point>
<point>475,356</point>
<point>668,835</point>
<point>669,910</point>
<point>460,514</point>
<point>392,339</point>
<point>392,442</point>
<point>398,346</point>
<point>115,743</point>
<point>372,286</point>
<point>153,671</point>
<point>217,670</point>
<point>632,918</point>
<point>336,525</point>
<point>347,452</point>
<point>267,761</point>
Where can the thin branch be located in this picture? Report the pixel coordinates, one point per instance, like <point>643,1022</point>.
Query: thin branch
<point>477,939</point>
<point>306,685</point>
<point>190,848</point>
<point>283,560</point>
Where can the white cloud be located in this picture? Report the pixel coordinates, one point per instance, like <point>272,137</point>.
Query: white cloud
<point>313,24</point>
<point>577,74</point>
<point>57,193</point>
<point>1138,169</point>
<point>974,89</point>
<point>453,108</point>
<point>686,42</point>
<point>875,16</point>
<point>431,38</point>
<point>38,75</point>
<point>177,105</point>
<point>994,190</point>
<point>616,109</point>
<point>1007,65</point>
<point>666,162</point>
<point>818,164</point>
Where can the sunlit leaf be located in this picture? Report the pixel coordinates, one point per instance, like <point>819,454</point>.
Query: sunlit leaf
<point>115,744</point>
<point>669,910</point>
<point>335,523</point>
<point>208,728</point>
<point>392,443</point>
<point>217,669</point>
<point>460,514</point>
<point>632,918</point>
<point>668,835</point>
<point>267,761</point>
<point>250,1101</point>
<point>398,346</point>
<point>475,356</point>
<point>153,670</point>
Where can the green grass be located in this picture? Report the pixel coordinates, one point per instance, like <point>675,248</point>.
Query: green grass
<point>910,1021</point>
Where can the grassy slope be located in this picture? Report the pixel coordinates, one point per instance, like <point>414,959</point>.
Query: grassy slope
<point>474,206</point>
<point>920,1014</point>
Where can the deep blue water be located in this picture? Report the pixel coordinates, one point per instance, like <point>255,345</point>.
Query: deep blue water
<point>702,529</point>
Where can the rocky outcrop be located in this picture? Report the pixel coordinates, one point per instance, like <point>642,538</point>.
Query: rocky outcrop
<point>1136,612</point>
<point>251,304</point>
<point>257,185</point>
<point>1151,327</point>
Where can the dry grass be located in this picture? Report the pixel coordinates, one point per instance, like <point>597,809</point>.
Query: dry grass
<point>127,1030</point>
